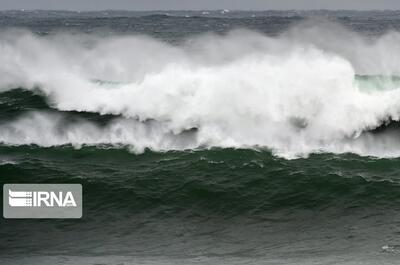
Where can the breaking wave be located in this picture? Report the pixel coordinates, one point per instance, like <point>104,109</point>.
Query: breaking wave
<point>315,88</point>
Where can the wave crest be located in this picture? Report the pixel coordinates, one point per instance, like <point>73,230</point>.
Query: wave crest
<point>286,93</point>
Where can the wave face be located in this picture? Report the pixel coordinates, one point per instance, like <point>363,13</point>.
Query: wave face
<point>317,87</point>
<point>220,203</point>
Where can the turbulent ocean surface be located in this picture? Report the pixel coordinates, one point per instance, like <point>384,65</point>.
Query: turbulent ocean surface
<point>204,137</point>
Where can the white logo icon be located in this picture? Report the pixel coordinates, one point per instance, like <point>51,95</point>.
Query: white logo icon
<point>20,198</point>
<point>40,198</point>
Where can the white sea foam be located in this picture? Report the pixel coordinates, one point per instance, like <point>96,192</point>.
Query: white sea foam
<point>294,93</point>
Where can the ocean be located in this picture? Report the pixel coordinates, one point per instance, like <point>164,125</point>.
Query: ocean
<point>204,137</point>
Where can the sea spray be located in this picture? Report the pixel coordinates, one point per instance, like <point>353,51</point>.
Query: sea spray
<point>289,94</point>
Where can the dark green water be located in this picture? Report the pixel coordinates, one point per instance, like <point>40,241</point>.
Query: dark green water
<point>237,204</point>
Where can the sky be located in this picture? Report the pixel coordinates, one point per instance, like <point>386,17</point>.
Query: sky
<point>198,4</point>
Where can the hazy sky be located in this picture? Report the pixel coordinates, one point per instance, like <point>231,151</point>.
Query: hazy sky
<point>198,4</point>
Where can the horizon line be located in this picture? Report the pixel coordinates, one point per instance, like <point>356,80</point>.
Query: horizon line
<point>195,10</point>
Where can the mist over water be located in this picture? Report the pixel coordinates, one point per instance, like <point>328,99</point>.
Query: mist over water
<point>295,93</point>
